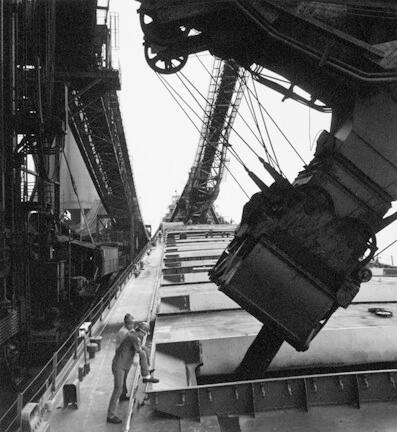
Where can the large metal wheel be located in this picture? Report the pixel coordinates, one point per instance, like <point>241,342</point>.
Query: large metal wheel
<point>162,62</point>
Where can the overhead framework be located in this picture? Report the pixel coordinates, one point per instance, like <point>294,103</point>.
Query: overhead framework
<point>302,248</point>
<point>96,122</point>
<point>226,88</point>
<point>55,71</point>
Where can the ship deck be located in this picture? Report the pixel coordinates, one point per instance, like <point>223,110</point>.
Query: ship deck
<point>200,336</point>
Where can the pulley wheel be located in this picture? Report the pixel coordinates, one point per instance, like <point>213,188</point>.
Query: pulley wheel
<point>162,62</point>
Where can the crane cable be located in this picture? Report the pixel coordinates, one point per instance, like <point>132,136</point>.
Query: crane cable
<point>190,92</point>
<point>232,151</point>
<point>167,85</point>
<point>251,109</point>
<point>258,139</point>
<point>238,113</point>
<point>253,177</point>
<point>272,161</point>
<point>385,248</point>
<point>281,132</point>
<point>232,128</point>
<point>253,113</point>
<point>265,125</point>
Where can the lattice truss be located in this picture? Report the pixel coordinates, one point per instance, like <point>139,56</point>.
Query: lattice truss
<point>202,188</point>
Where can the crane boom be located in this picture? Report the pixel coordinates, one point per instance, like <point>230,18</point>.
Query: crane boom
<point>202,187</point>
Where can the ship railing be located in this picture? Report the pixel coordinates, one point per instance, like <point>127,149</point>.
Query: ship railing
<point>45,385</point>
<point>137,370</point>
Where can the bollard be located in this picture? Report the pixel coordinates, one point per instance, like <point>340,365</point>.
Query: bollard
<point>97,340</point>
<point>71,394</point>
<point>92,348</point>
<point>81,372</point>
<point>54,372</point>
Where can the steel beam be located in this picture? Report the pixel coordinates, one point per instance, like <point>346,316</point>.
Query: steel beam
<point>298,392</point>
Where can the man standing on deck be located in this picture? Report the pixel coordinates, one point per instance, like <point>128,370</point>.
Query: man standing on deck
<point>122,362</point>
<point>128,326</point>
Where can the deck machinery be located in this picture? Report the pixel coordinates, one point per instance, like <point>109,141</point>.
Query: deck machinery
<point>301,249</point>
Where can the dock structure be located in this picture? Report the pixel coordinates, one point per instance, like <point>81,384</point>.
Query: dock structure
<point>199,338</point>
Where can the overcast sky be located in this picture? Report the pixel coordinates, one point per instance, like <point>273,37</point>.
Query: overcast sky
<point>162,141</point>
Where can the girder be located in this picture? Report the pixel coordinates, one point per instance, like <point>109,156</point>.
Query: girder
<point>318,46</point>
<point>202,188</point>
<point>96,123</point>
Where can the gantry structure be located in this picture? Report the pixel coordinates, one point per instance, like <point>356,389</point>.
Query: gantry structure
<point>56,78</point>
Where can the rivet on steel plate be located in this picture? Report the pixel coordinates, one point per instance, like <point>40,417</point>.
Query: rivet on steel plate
<point>340,384</point>
<point>263,390</point>
<point>210,398</point>
<point>236,395</point>
<point>314,385</point>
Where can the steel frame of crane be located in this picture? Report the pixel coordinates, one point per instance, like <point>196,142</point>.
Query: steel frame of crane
<point>96,123</point>
<point>41,66</point>
<point>202,188</point>
<point>309,241</point>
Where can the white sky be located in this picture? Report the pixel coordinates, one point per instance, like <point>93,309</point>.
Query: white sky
<point>162,141</point>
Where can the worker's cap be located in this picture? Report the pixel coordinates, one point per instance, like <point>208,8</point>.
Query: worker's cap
<point>143,326</point>
<point>128,319</point>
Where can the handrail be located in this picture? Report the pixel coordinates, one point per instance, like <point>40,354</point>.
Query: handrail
<point>47,372</point>
<point>137,372</point>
